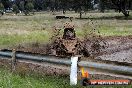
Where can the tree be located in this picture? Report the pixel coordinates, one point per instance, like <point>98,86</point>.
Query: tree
<point>122,6</point>
<point>102,7</point>
<point>39,4</point>
<point>21,6</point>
<point>1,8</point>
<point>15,9</point>
<point>6,4</point>
<point>29,7</point>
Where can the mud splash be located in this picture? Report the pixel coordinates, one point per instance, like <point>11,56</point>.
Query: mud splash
<point>116,47</point>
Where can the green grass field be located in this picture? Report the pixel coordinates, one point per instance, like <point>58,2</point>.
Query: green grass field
<point>10,80</point>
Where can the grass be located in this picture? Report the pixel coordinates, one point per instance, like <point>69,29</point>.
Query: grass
<point>39,27</point>
<point>115,31</point>
<point>11,80</point>
<point>15,39</point>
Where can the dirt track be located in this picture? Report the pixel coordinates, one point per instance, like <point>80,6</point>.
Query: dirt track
<point>119,49</point>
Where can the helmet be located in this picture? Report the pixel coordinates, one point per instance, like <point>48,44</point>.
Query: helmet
<point>69,25</point>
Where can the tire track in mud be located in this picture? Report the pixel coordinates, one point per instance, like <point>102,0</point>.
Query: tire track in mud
<point>120,49</point>
<point>122,56</point>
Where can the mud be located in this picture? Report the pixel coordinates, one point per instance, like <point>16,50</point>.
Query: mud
<point>24,68</point>
<point>122,56</point>
<point>28,67</point>
<point>116,49</point>
<point>32,47</point>
<point>119,49</point>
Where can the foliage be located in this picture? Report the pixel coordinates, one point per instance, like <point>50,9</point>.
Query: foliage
<point>6,3</point>
<point>1,7</point>
<point>15,9</point>
<point>21,5</point>
<point>76,5</point>
<point>29,7</point>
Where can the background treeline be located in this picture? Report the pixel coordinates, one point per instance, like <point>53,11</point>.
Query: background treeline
<point>80,6</point>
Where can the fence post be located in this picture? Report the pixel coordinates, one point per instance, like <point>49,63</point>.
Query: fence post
<point>73,73</point>
<point>13,60</point>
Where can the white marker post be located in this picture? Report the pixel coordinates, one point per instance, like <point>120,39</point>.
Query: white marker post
<point>73,74</point>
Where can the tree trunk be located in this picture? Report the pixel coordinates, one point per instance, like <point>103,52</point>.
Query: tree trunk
<point>80,14</point>
<point>126,13</point>
<point>122,7</point>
